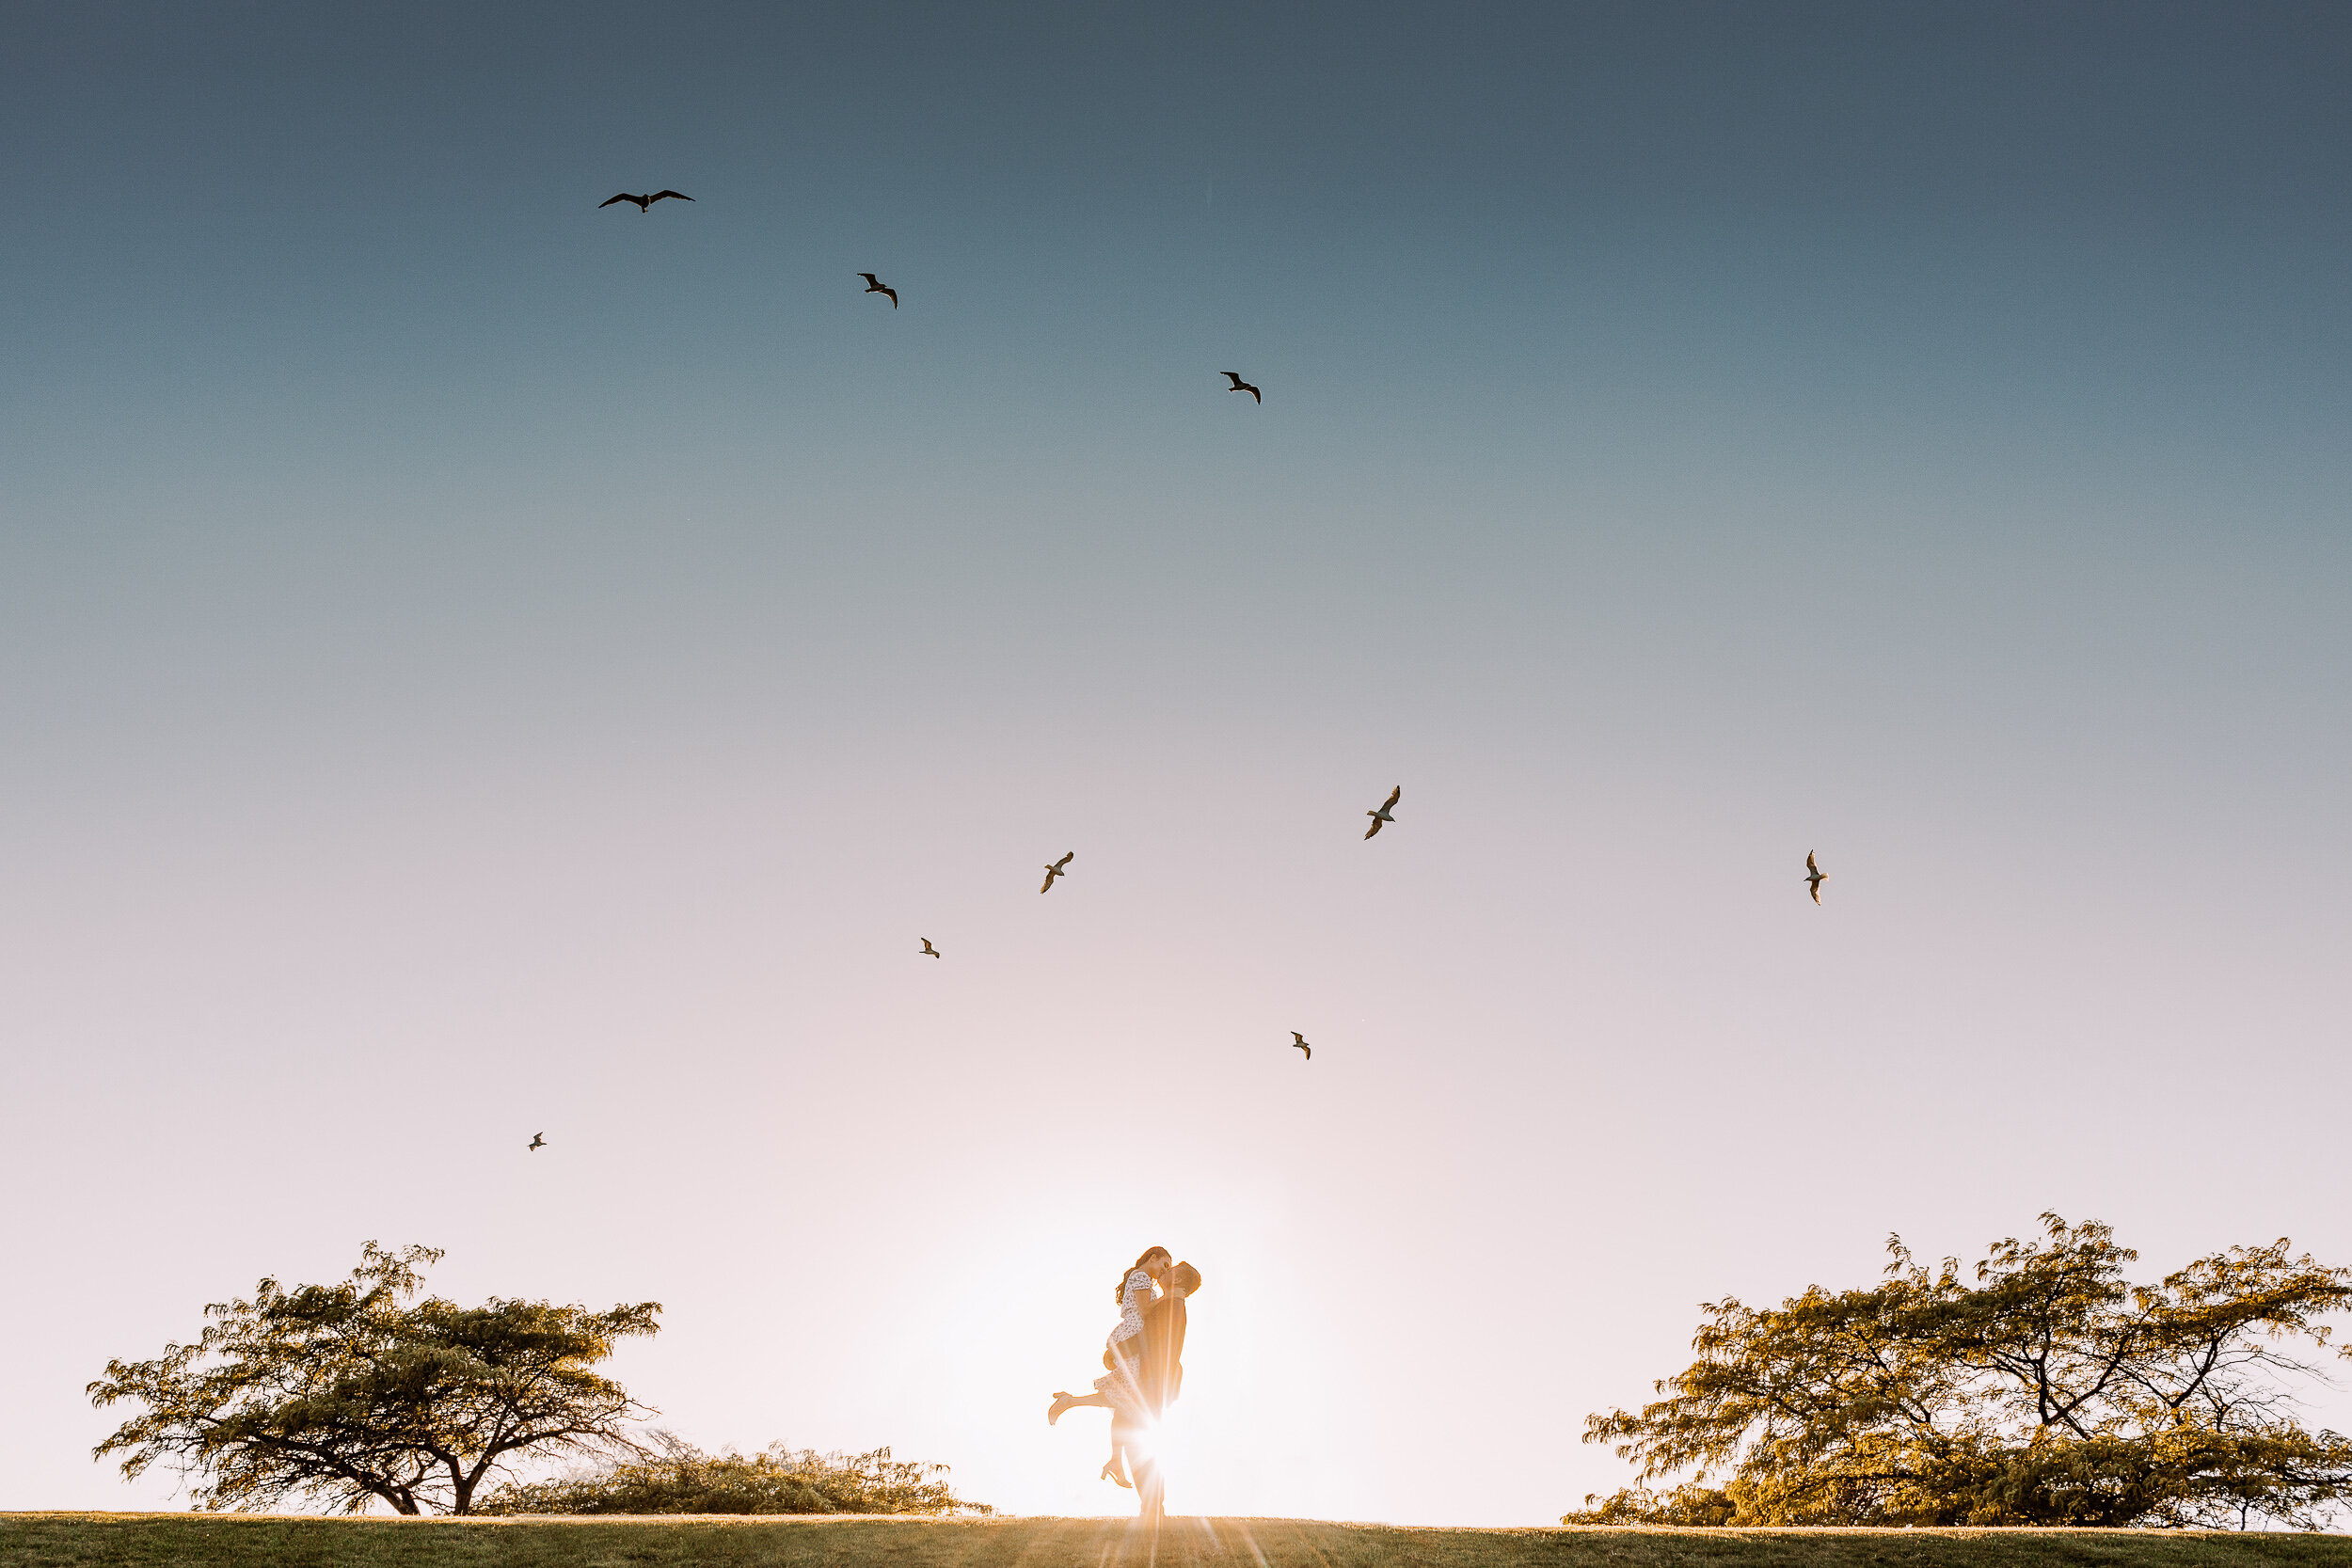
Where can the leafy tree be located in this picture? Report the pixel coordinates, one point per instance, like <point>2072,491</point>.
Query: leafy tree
<point>2046,1390</point>
<point>349,1393</point>
<point>681,1478</point>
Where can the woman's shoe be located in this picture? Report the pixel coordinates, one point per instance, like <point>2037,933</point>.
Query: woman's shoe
<point>1061,1403</point>
<point>1111,1472</point>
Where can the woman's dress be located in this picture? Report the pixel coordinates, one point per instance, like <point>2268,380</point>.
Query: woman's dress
<point>1123,1351</point>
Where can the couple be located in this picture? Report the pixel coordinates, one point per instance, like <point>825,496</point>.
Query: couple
<point>1144,1367</point>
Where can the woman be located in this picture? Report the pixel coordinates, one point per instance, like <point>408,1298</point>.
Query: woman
<point>1120,1389</point>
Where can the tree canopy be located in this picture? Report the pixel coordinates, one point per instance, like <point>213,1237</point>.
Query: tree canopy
<point>2044,1388</point>
<point>349,1392</point>
<point>681,1478</point>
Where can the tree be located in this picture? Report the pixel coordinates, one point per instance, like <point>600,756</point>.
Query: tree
<point>681,1478</point>
<point>348,1393</point>
<point>2049,1390</point>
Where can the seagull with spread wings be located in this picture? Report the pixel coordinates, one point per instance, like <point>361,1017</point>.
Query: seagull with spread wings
<point>1300,1040</point>
<point>876,286</point>
<point>538,1141</point>
<point>645,204</point>
<point>1814,876</point>
<point>1380,813</point>
<point>929,951</point>
<point>1239,385</point>
<point>1059,868</point>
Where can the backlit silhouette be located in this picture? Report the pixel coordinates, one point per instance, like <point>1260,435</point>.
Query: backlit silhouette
<point>876,286</point>
<point>1143,1363</point>
<point>538,1141</point>
<point>1239,386</point>
<point>645,204</point>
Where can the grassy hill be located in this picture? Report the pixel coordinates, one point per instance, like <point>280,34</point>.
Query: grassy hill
<point>278,1541</point>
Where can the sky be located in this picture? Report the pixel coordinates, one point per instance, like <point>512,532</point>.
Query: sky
<point>475,664</point>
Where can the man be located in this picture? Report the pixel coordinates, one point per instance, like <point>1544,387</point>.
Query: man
<point>1164,1339</point>
<point>1163,1378</point>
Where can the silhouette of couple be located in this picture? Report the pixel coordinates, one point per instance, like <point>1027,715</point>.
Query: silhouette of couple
<point>1143,1363</point>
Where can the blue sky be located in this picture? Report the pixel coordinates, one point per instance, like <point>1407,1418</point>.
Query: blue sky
<point>478,664</point>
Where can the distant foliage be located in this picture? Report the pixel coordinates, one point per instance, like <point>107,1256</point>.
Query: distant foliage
<point>681,1478</point>
<point>2045,1390</point>
<point>1639,1505</point>
<point>352,1392</point>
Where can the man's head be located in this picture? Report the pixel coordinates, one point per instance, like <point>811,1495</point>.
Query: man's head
<point>1184,1279</point>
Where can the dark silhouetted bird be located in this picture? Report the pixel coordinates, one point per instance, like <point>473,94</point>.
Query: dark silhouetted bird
<point>1300,1040</point>
<point>1059,868</point>
<point>1814,876</point>
<point>929,951</point>
<point>1381,815</point>
<point>1239,385</point>
<point>876,286</point>
<point>538,1141</point>
<point>645,204</point>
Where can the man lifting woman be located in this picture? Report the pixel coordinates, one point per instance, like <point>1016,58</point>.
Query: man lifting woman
<point>1143,1369</point>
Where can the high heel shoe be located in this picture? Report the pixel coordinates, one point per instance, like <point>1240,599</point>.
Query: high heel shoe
<point>1111,1472</point>
<point>1061,1401</point>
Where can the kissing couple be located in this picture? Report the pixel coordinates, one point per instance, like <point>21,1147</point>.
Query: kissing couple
<point>1143,1369</point>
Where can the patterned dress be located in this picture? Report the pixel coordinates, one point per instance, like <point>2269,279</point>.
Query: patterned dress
<point>1124,1351</point>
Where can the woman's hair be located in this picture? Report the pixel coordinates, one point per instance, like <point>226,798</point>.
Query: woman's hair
<point>1119,1291</point>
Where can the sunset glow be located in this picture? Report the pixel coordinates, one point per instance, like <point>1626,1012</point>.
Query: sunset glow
<point>484,662</point>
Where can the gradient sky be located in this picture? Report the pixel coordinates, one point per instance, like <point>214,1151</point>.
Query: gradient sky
<point>473,664</point>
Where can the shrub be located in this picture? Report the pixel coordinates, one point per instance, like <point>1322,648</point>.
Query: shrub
<point>681,1478</point>
<point>1639,1505</point>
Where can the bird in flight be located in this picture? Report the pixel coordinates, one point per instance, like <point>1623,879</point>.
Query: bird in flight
<point>876,286</point>
<point>1814,876</point>
<point>929,951</point>
<point>645,204</point>
<point>1300,1040</point>
<point>1059,868</point>
<point>538,1141</point>
<point>1381,815</point>
<point>1239,385</point>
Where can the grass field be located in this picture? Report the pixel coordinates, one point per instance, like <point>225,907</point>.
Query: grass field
<point>207,1541</point>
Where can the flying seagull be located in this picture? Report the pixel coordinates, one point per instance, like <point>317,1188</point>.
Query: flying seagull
<point>1814,876</point>
<point>538,1141</point>
<point>876,286</point>
<point>645,204</point>
<point>1382,815</point>
<point>1300,1040</point>
<point>929,951</point>
<point>1059,868</point>
<point>1239,385</point>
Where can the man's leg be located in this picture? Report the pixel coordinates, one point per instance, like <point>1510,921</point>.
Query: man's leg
<point>1151,1489</point>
